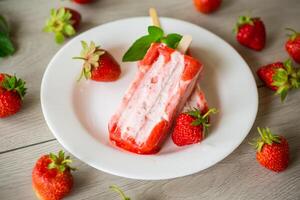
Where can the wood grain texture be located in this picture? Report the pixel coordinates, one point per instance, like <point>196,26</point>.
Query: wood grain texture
<point>25,136</point>
<point>236,177</point>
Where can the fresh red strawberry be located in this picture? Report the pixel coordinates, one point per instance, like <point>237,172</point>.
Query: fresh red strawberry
<point>98,65</point>
<point>272,150</point>
<point>207,6</point>
<point>292,46</point>
<point>63,23</point>
<point>280,77</point>
<point>251,32</point>
<point>191,127</point>
<point>51,176</point>
<point>82,1</point>
<point>12,91</point>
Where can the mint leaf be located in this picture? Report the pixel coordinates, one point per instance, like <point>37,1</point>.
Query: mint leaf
<point>172,40</point>
<point>155,31</point>
<point>6,46</point>
<point>139,48</point>
<point>3,26</point>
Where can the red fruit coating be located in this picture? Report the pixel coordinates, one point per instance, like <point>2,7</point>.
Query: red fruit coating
<point>267,72</point>
<point>252,36</point>
<point>50,184</point>
<point>76,17</point>
<point>207,6</point>
<point>82,1</point>
<point>293,48</point>
<point>275,156</point>
<point>192,66</point>
<point>184,133</point>
<point>153,144</point>
<point>108,70</point>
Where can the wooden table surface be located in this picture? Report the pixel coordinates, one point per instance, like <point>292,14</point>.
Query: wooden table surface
<point>25,136</point>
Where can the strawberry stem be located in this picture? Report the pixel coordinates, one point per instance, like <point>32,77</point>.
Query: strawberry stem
<point>210,111</point>
<point>118,190</point>
<point>80,58</point>
<point>266,137</point>
<point>293,35</point>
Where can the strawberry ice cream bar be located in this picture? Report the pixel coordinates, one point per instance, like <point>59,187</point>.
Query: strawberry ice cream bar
<point>196,100</point>
<point>163,83</point>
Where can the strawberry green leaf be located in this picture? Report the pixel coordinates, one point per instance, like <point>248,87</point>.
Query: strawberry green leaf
<point>12,83</point>
<point>201,120</point>
<point>91,56</point>
<point>60,24</point>
<point>281,76</point>
<point>59,37</point>
<point>288,66</point>
<point>266,137</point>
<point>282,91</point>
<point>69,30</point>
<point>60,162</point>
<point>242,20</point>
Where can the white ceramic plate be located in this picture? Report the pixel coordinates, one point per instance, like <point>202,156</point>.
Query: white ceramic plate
<point>78,113</point>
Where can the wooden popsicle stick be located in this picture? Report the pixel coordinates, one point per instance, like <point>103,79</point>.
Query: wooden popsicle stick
<point>184,43</point>
<point>186,40</point>
<point>154,17</point>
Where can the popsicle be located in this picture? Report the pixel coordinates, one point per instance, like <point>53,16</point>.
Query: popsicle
<point>163,83</point>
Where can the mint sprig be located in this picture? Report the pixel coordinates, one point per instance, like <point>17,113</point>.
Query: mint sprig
<point>139,48</point>
<point>6,45</point>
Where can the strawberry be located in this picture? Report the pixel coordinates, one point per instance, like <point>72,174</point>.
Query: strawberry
<point>251,32</point>
<point>98,65</point>
<point>272,150</point>
<point>191,127</point>
<point>280,77</point>
<point>292,45</point>
<point>120,192</point>
<point>207,6</point>
<point>12,91</point>
<point>63,23</point>
<point>82,1</point>
<point>51,176</point>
